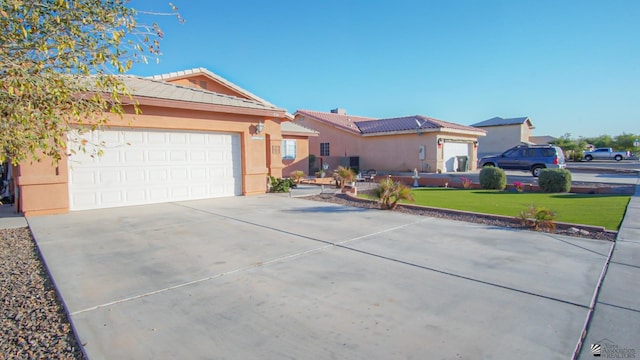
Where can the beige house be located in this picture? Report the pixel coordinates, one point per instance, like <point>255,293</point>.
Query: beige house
<point>390,145</point>
<point>502,134</point>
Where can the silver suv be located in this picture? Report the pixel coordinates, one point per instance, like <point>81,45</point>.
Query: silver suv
<point>531,158</point>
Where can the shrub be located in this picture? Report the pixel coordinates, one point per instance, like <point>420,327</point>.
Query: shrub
<point>538,218</point>
<point>297,175</point>
<point>390,192</point>
<point>577,155</point>
<point>493,178</point>
<point>555,180</point>
<point>278,185</point>
<point>344,175</point>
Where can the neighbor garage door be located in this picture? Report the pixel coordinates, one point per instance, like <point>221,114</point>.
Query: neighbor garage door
<point>149,166</point>
<point>450,151</point>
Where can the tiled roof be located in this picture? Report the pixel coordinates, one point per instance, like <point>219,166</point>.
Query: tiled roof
<point>498,121</point>
<point>291,127</point>
<point>345,122</point>
<point>158,89</point>
<point>203,71</point>
<point>410,123</point>
<point>541,140</point>
<point>368,126</point>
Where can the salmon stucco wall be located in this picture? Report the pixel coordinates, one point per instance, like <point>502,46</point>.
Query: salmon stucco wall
<point>205,83</point>
<point>301,161</point>
<point>43,186</point>
<point>341,143</point>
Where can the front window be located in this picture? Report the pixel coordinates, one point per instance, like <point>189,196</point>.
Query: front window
<point>288,149</point>
<point>512,153</point>
<point>324,149</point>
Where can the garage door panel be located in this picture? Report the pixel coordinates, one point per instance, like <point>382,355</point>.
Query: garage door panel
<point>149,166</point>
<point>450,152</point>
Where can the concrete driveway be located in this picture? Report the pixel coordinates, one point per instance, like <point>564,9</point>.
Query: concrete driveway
<point>269,277</point>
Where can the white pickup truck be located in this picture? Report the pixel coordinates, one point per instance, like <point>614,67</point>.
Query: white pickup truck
<point>605,154</point>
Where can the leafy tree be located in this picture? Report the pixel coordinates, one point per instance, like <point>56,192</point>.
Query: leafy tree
<point>601,141</point>
<point>59,61</point>
<point>625,142</point>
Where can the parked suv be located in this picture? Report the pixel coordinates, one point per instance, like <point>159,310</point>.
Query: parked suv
<point>528,158</point>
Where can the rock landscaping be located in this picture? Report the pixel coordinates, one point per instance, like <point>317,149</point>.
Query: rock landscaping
<point>34,325</point>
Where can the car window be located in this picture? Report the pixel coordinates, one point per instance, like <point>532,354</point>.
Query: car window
<point>511,153</point>
<point>548,152</point>
<point>531,153</point>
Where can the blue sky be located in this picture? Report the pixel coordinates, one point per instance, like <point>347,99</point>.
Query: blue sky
<point>571,66</point>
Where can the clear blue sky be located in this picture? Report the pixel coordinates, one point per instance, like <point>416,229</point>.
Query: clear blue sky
<point>571,66</point>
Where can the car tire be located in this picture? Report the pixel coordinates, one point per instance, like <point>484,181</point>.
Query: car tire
<point>535,171</point>
<point>588,157</point>
<point>617,157</point>
<point>488,165</point>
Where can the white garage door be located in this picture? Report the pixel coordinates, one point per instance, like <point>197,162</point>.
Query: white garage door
<point>148,166</point>
<point>450,151</point>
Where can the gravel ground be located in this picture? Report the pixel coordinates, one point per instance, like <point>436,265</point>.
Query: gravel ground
<point>34,325</point>
<point>571,230</point>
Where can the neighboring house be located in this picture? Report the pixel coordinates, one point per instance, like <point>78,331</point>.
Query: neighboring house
<point>295,147</point>
<point>199,136</point>
<point>394,144</point>
<point>542,140</point>
<point>503,134</point>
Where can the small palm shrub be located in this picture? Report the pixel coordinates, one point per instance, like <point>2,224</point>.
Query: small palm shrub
<point>538,217</point>
<point>297,176</point>
<point>389,192</point>
<point>492,178</point>
<point>343,175</point>
<point>555,180</point>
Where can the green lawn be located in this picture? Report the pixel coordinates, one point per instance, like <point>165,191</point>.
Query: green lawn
<point>599,210</point>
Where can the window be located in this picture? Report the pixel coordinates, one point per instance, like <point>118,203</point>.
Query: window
<point>288,149</point>
<point>324,149</point>
<point>511,153</point>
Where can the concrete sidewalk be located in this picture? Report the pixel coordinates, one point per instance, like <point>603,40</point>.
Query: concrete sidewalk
<point>615,323</point>
<point>9,219</point>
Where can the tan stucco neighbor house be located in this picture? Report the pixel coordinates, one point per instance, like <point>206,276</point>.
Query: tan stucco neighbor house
<point>392,144</point>
<point>502,134</point>
<point>199,136</point>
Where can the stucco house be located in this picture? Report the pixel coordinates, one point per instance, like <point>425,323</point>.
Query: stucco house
<point>392,144</point>
<point>199,136</point>
<point>501,134</point>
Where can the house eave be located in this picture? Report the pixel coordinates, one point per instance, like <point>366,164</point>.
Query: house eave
<point>228,109</point>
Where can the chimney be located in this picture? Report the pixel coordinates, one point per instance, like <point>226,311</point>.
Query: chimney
<point>339,111</point>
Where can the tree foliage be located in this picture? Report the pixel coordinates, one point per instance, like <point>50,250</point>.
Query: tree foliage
<point>59,66</point>
<point>623,142</point>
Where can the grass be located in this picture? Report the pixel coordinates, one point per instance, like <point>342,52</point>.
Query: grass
<point>589,209</point>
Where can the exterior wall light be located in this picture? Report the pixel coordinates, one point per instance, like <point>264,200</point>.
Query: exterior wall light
<point>259,127</point>
<point>475,144</point>
<point>440,142</point>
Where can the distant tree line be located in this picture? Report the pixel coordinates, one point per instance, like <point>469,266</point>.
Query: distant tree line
<point>574,147</point>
